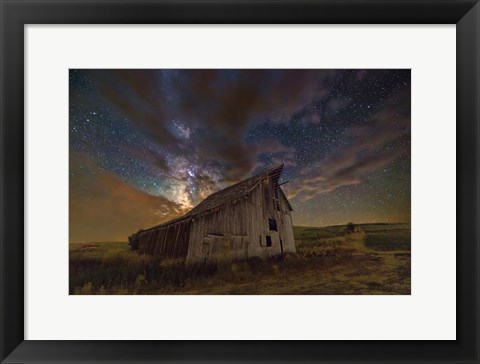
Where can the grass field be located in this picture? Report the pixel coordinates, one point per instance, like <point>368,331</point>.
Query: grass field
<point>329,260</point>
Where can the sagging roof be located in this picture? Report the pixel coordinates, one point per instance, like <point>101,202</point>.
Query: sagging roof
<point>235,191</point>
<point>230,193</point>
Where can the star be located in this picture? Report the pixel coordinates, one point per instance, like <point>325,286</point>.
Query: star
<point>172,137</point>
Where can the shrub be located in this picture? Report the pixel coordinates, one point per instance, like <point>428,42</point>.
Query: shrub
<point>351,227</point>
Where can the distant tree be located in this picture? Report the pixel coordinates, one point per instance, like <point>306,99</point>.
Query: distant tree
<point>351,227</point>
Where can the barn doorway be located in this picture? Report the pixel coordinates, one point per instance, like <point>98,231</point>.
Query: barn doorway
<point>268,240</point>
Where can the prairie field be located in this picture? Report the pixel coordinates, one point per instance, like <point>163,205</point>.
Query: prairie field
<point>374,259</point>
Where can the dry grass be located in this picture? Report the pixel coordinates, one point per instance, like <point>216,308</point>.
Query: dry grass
<point>328,261</point>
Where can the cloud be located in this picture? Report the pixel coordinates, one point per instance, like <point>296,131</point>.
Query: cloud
<point>104,208</point>
<point>202,116</point>
<point>362,150</point>
<point>185,134</point>
<point>327,180</point>
<point>196,121</point>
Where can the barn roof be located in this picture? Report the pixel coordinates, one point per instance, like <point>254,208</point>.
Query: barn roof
<point>237,190</point>
<point>228,194</point>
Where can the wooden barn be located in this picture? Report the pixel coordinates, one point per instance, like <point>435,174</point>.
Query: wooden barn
<point>249,219</point>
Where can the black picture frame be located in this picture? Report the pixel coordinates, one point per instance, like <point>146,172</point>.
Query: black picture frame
<point>16,13</point>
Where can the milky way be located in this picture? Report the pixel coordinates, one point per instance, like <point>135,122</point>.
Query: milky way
<point>148,145</point>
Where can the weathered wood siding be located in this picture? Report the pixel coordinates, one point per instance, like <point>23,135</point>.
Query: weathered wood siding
<point>219,234</point>
<point>265,206</point>
<point>239,229</point>
<point>169,241</point>
<point>286,224</point>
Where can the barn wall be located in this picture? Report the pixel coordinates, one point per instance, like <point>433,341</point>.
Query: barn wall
<point>239,230</point>
<point>170,241</point>
<point>263,208</point>
<point>219,234</point>
<point>287,227</point>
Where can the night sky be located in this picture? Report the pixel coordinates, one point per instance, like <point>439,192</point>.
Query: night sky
<point>148,145</point>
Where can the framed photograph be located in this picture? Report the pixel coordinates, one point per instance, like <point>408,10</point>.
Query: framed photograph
<point>175,189</point>
<point>240,181</point>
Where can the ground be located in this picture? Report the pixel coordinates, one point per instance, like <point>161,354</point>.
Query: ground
<point>373,259</point>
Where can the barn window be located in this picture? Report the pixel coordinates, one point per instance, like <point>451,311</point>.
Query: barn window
<point>272,224</point>
<point>269,240</point>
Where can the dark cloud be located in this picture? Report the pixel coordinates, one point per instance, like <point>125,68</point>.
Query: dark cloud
<point>362,150</point>
<point>170,138</point>
<point>350,172</point>
<point>217,109</point>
